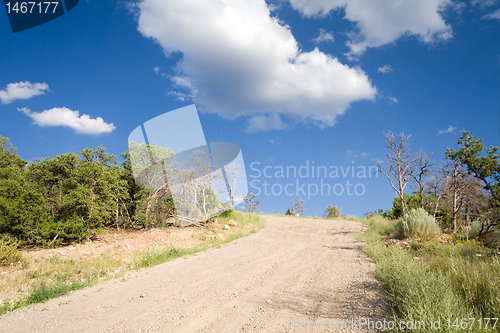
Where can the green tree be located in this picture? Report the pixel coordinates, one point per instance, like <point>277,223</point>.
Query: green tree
<point>22,208</point>
<point>484,164</point>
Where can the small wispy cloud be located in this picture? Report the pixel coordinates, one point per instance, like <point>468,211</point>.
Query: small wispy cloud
<point>493,16</point>
<point>450,129</point>
<point>393,100</point>
<point>324,36</point>
<point>68,118</point>
<point>266,123</point>
<point>355,153</point>
<point>386,69</point>
<point>483,3</point>
<point>180,96</point>
<point>22,90</point>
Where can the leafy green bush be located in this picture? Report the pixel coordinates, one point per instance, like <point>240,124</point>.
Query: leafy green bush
<point>417,223</point>
<point>8,252</point>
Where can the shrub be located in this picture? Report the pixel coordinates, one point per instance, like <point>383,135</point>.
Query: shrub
<point>476,230</point>
<point>8,252</point>
<point>332,211</point>
<point>414,292</point>
<point>417,223</point>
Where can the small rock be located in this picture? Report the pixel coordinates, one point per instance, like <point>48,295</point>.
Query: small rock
<point>416,258</point>
<point>232,223</point>
<point>403,244</point>
<point>226,227</point>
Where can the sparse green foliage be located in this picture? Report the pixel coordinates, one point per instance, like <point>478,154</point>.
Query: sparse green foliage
<point>417,223</point>
<point>485,168</point>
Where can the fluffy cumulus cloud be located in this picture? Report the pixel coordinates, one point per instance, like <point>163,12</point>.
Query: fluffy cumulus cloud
<point>380,22</point>
<point>22,90</point>
<point>67,118</point>
<point>238,60</point>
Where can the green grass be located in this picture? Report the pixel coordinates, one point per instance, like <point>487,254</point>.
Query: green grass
<point>448,282</point>
<point>57,277</point>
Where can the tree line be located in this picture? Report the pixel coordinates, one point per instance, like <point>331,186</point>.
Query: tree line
<point>462,192</point>
<point>71,196</point>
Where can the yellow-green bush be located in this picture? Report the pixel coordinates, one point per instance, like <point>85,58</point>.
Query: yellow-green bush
<point>8,252</point>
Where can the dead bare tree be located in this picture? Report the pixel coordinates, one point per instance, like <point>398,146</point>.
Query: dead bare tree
<point>297,206</point>
<point>251,202</point>
<point>230,177</point>
<point>422,169</point>
<point>434,185</point>
<point>196,190</point>
<point>464,195</point>
<point>400,164</point>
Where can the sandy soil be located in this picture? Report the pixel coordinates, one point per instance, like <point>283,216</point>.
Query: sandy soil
<point>294,270</point>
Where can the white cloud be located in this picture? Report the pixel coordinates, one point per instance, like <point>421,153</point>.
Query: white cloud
<point>238,60</point>
<point>324,36</point>
<point>381,22</point>
<point>494,15</point>
<point>67,118</point>
<point>484,3</point>
<point>386,69</point>
<point>22,90</point>
<point>181,96</point>
<point>355,153</point>
<point>450,129</point>
<point>266,123</point>
<point>393,100</point>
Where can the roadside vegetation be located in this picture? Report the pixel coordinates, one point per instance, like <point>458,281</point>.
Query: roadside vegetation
<point>41,279</point>
<point>440,277</point>
<point>437,251</point>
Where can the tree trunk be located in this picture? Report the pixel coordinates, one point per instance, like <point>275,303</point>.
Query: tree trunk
<point>455,200</point>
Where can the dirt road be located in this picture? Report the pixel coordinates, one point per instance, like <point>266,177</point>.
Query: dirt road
<point>294,270</point>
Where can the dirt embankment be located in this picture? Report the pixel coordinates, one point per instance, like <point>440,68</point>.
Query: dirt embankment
<point>294,270</point>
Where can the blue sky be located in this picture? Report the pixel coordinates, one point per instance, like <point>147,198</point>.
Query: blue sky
<point>290,82</point>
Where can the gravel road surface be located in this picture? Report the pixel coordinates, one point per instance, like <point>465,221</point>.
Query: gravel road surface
<point>290,273</point>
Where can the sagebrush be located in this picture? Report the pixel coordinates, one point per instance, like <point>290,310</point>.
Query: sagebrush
<point>417,223</point>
